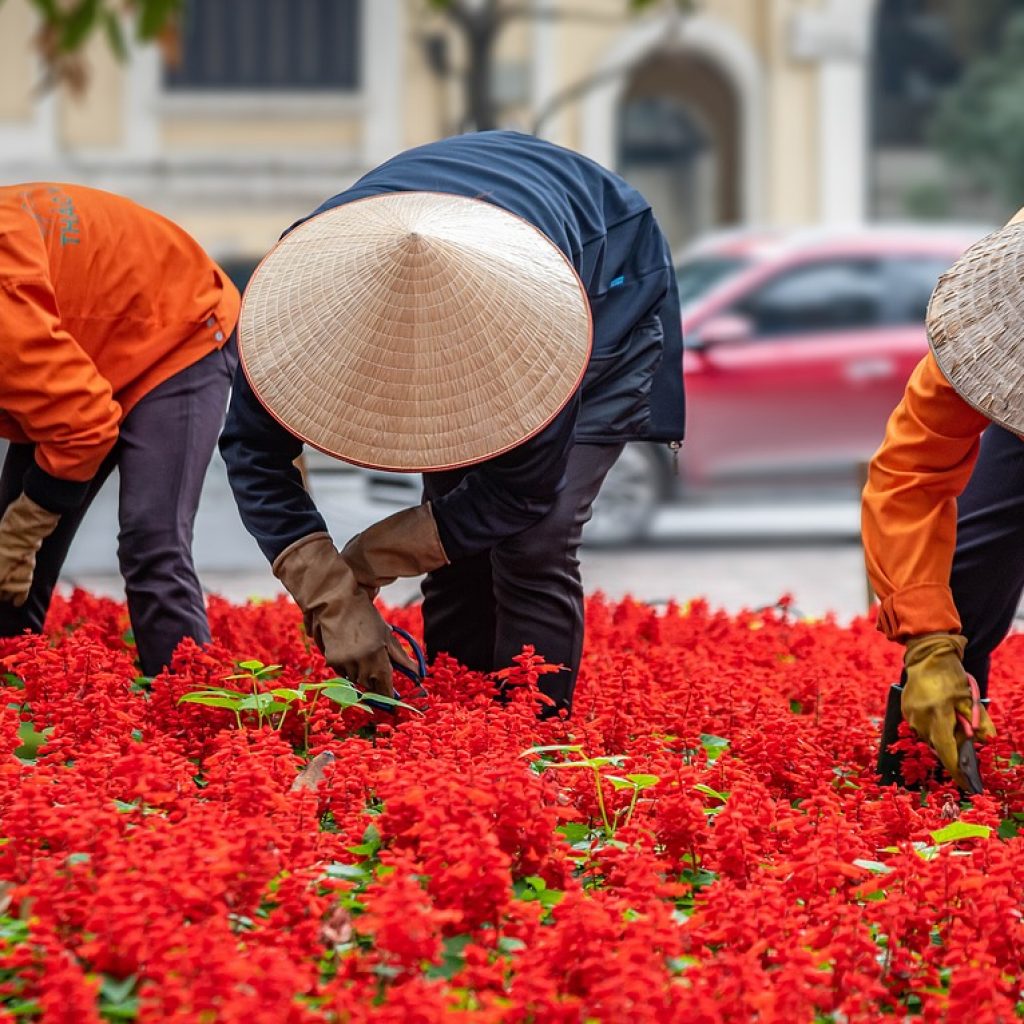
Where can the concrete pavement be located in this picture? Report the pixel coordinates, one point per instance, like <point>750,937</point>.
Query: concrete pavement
<point>809,550</point>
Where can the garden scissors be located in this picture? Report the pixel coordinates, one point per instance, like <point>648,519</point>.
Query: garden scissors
<point>415,675</point>
<point>968,756</point>
<point>418,675</point>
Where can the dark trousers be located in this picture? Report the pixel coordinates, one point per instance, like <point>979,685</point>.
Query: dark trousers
<point>988,569</point>
<point>161,455</point>
<point>525,590</point>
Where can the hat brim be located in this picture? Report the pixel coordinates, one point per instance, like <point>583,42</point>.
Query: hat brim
<point>976,326</point>
<point>415,331</point>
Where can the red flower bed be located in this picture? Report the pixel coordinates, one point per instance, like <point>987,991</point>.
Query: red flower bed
<point>703,841</point>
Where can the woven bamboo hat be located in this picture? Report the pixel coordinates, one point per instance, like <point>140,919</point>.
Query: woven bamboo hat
<point>415,331</point>
<point>976,326</point>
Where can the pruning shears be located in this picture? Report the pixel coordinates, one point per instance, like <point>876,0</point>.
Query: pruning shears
<point>417,676</point>
<point>967,755</point>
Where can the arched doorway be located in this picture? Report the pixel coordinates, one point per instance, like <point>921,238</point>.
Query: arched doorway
<point>679,142</point>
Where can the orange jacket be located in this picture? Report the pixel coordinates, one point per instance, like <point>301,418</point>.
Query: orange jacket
<point>908,514</point>
<point>101,300</point>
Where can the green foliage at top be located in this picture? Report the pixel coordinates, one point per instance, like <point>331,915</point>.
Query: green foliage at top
<point>979,125</point>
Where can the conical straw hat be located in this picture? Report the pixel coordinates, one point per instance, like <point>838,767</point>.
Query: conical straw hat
<point>415,331</point>
<point>976,326</point>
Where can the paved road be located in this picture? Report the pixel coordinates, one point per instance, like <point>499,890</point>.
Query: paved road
<point>738,555</point>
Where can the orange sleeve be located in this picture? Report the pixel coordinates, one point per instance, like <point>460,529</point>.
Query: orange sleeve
<point>908,513</point>
<point>47,382</point>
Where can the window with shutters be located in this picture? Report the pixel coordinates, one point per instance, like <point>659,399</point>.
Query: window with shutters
<point>269,45</point>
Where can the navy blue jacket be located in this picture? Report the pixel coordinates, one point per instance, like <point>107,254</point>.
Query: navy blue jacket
<point>633,386</point>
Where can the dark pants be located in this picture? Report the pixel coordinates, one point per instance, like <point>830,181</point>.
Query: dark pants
<point>161,455</point>
<point>525,590</point>
<point>988,569</point>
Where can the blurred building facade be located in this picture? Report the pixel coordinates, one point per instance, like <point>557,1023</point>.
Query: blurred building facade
<point>748,111</point>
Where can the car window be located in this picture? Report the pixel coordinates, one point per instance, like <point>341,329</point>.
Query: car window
<point>913,278</point>
<point>699,276</point>
<point>830,295</point>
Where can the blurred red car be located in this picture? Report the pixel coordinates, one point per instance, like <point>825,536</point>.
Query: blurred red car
<point>797,357</point>
<point>798,346</point>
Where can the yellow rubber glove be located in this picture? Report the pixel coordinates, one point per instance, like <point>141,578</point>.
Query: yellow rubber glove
<point>23,528</point>
<point>935,691</point>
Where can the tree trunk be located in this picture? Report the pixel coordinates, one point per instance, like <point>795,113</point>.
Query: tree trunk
<point>480,33</point>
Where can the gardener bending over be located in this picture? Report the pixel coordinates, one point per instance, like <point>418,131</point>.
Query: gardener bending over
<point>114,353</point>
<point>950,584</point>
<point>495,312</point>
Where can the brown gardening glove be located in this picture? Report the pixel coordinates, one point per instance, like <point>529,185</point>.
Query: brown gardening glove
<point>23,528</point>
<point>405,544</point>
<point>935,690</point>
<point>340,617</point>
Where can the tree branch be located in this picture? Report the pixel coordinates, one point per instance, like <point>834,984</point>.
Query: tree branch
<point>579,88</point>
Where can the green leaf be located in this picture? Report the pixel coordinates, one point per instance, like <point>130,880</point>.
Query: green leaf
<point>23,1008</point>
<point>346,696</point>
<point>286,693</point>
<point>678,964</point>
<point>642,781</point>
<point>633,781</point>
<point>370,699</point>
<point>251,666</point>
<point>699,878</point>
<point>1008,828</point>
<point>508,944</point>
<point>47,8</point>
<point>874,866</point>
<point>156,15</point>
<point>616,760</point>
<point>620,783</point>
<point>352,872</point>
<point>117,990</point>
<point>713,793</point>
<point>957,830</point>
<point>31,741</point>
<point>370,844</point>
<point>713,745</point>
<point>256,702</point>
<point>453,958</point>
<point>115,35</point>
<point>211,702</point>
<point>550,897</point>
<point>569,748</point>
<point>874,897</point>
<point>78,24</point>
<point>574,831</point>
